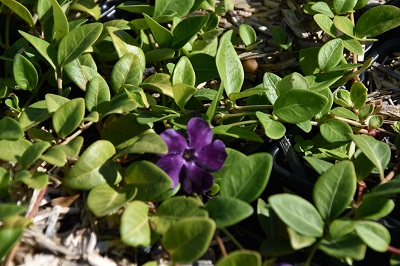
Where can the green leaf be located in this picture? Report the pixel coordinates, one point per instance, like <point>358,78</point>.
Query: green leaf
<point>244,177</point>
<point>159,55</point>
<point>176,209</point>
<point>78,73</point>
<point>323,8</point>
<point>137,7</point>
<point>9,237</point>
<point>123,130</point>
<point>237,132</point>
<point>319,165</point>
<point>60,21</point>
<point>54,102</point>
<point>343,112</point>
<point>150,180</point>
<point>25,74</point>
<point>292,81</point>
<point>182,94</point>
<point>341,227</point>
<point>270,82</point>
<point>298,105</point>
<point>55,156</point>
<point>12,150</point>
<point>335,189</point>
<point>21,11</point>
<point>298,213</point>
<point>68,117</point>
<point>73,147</point>
<point>330,54</point>
<point>172,8</point>
<point>378,20</point>
<point>326,24</point>
<point>97,94</point>
<point>204,66</point>
<point>247,34</point>
<point>347,246</point>
<point>343,6</point>
<point>104,199</point>
<point>9,209</point>
<point>374,208</point>
<point>36,181</point>
<point>159,82</point>
<point>186,29</point>
<point>342,98</point>
<point>135,228</point>
<point>375,121</point>
<point>298,241</point>
<point>44,48</point>
<point>162,35</point>
<point>375,235</point>
<point>127,71</point>
<point>227,211</point>
<point>76,42</point>
<point>10,129</point>
<point>184,72</point>
<point>385,189</point>
<point>239,258</point>
<point>336,131</point>
<point>187,240</point>
<point>229,66</point>
<point>365,112</point>
<point>353,45</point>
<point>247,93</point>
<point>344,24</point>
<point>121,103</point>
<point>376,151</point>
<point>33,152</point>
<point>148,143</point>
<point>358,94</point>
<point>87,6</point>
<point>272,129</point>
<point>92,168</point>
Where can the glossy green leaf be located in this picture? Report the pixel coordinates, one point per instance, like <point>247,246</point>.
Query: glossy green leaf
<point>204,66</point>
<point>341,227</point>
<point>187,240</point>
<point>272,129</point>
<point>375,121</point>
<point>176,209</point>
<point>323,8</point>
<point>330,54</point>
<point>298,105</point>
<point>298,213</point>
<point>353,45</point>
<point>244,177</point>
<point>12,150</point>
<point>342,98</point>
<point>172,8</point>
<point>319,165</point>
<point>348,246</point>
<point>159,55</point>
<point>344,24</point>
<point>33,152</point>
<point>123,130</point>
<point>88,6</point>
<point>73,147</point>
<point>186,29</point>
<point>104,199</point>
<point>385,189</point>
<point>375,235</point>
<point>374,208</point>
<point>182,94</point>
<point>239,258</point>
<point>137,7</point>
<point>378,20</point>
<point>247,34</point>
<point>150,180</point>
<point>148,143</point>
<point>237,132</point>
<point>54,101</point>
<point>25,74</point>
<point>121,103</point>
<point>159,82</point>
<point>76,42</point>
<point>358,94</point>
<point>326,24</point>
<point>127,71</point>
<point>335,189</point>
<point>335,131</point>
<point>162,35</point>
<point>343,6</point>
<point>10,129</point>
<point>270,82</point>
<point>292,81</point>
<point>365,112</point>
<point>55,156</point>
<point>135,228</point>
<point>68,117</point>
<point>184,72</point>
<point>249,92</point>
<point>343,112</point>
<point>229,66</point>
<point>298,241</point>
<point>206,39</point>
<point>97,94</point>
<point>9,238</point>
<point>376,151</point>
<point>76,71</point>
<point>61,27</point>
<point>92,168</point>
<point>20,10</point>
<point>227,211</point>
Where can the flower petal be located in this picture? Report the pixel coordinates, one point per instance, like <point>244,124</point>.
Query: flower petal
<point>212,157</point>
<point>176,143</point>
<point>199,132</point>
<point>172,165</point>
<point>194,179</point>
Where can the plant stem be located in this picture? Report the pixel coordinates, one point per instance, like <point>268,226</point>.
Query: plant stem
<point>393,250</point>
<point>77,133</point>
<point>232,238</point>
<point>312,253</point>
<point>250,107</point>
<point>221,244</point>
<point>226,116</point>
<point>36,90</point>
<point>59,82</point>
<point>391,174</point>
<point>248,122</point>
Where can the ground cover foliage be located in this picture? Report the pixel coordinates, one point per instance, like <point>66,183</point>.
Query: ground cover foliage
<point>126,140</point>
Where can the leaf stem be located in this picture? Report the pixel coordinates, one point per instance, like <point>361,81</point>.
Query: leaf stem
<point>226,116</point>
<point>393,250</point>
<point>59,82</point>
<point>221,244</point>
<point>248,122</point>
<point>232,238</point>
<point>312,253</point>
<point>237,108</point>
<point>391,174</point>
<point>77,133</point>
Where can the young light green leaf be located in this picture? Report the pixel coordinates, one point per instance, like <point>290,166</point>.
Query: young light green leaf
<point>343,112</point>
<point>298,105</point>
<point>182,94</point>
<point>104,199</point>
<point>326,24</point>
<point>229,66</point>
<point>159,82</point>
<point>358,94</point>
<point>162,35</point>
<point>336,131</point>
<point>365,112</point>
<point>184,72</point>
<point>25,74</point>
<point>61,26</point>
<point>330,54</point>
<point>54,101</point>
<point>376,151</point>
<point>270,82</point>
<point>247,34</point>
<point>375,121</point>
<point>97,94</point>
<point>292,81</point>
<point>127,71</point>
<point>187,240</point>
<point>10,129</point>
<point>135,228</point>
<point>342,98</point>
<point>298,213</point>
<point>334,190</point>
<point>32,153</point>
<point>36,181</point>
<point>87,6</point>
<point>344,24</point>
<point>323,8</point>
<point>227,211</point>
<point>92,168</point>
<point>55,156</point>
<point>375,235</point>
<point>343,6</point>
<point>73,147</point>
<point>239,258</point>
<point>378,20</point>
<point>272,129</point>
<point>298,241</point>
<point>176,209</point>
<point>68,117</point>
<point>186,29</point>
<point>20,10</point>
<point>76,42</point>
<point>353,45</point>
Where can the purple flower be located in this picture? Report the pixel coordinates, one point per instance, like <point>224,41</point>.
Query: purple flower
<point>191,164</point>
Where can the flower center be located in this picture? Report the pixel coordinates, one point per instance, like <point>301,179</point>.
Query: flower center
<point>189,154</point>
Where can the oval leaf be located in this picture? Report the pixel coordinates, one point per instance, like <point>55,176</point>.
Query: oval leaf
<point>25,74</point>
<point>10,129</point>
<point>127,71</point>
<point>330,54</point>
<point>68,117</point>
<point>336,131</point>
<point>240,258</point>
<point>184,72</point>
<point>135,228</point>
<point>272,129</point>
<point>378,20</point>
<point>375,235</point>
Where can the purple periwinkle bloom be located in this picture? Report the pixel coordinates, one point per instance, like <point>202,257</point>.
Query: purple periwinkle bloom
<point>191,163</point>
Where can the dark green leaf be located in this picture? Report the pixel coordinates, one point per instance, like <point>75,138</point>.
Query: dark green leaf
<point>378,20</point>
<point>10,129</point>
<point>348,246</point>
<point>374,208</point>
<point>330,54</point>
<point>25,74</point>
<point>127,71</point>
<point>186,30</point>
<point>375,235</point>
<point>68,117</point>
